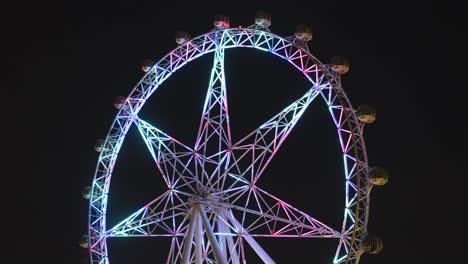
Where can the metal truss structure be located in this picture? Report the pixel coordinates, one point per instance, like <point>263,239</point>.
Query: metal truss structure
<point>212,208</point>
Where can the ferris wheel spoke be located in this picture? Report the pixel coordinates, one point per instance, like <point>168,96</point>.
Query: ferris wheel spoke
<point>258,148</point>
<point>262,214</point>
<point>174,159</point>
<point>244,235</point>
<point>214,134</point>
<point>233,236</point>
<point>164,216</point>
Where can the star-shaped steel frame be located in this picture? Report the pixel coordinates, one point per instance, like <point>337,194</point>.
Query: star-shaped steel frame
<point>213,207</point>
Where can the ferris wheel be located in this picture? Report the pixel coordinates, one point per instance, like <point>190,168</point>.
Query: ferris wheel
<point>213,208</point>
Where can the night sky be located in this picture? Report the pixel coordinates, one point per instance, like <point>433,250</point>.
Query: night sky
<point>73,59</point>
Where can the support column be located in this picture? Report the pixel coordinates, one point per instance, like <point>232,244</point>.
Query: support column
<point>230,246</point>
<point>255,246</point>
<point>219,257</point>
<point>198,239</point>
<point>222,236</point>
<point>189,237</point>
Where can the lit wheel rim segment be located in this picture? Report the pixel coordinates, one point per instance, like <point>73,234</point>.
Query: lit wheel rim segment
<point>212,208</point>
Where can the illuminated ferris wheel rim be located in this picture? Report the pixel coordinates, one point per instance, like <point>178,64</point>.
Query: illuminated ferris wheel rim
<point>324,82</point>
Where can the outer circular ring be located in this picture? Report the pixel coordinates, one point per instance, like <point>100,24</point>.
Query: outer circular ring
<point>354,227</point>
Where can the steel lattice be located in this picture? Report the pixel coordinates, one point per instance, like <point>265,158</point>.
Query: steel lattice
<point>209,186</point>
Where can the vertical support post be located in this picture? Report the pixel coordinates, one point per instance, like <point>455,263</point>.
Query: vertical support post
<point>189,237</point>
<point>219,257</point>
<point>255,246</point>
<point>232,251</point>
<point>222,236</point>
<point>198,239</point>
<point>230,245</point>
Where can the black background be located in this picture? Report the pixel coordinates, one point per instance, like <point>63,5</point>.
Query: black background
<point>68,61</point>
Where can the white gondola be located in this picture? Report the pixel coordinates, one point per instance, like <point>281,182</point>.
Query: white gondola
<point>84,241</point>
<point>181,37</point>
<point>303,33</point>
<point>340,64</point>
<point>366,114</point>
<point>263,19</point>
<point>378,176</point>
<point>372,244</point>
<point>146,65</point>
<point>221,21</point>
<point>99,145</point>
<point>119,102</point>
<point>86,192</point>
